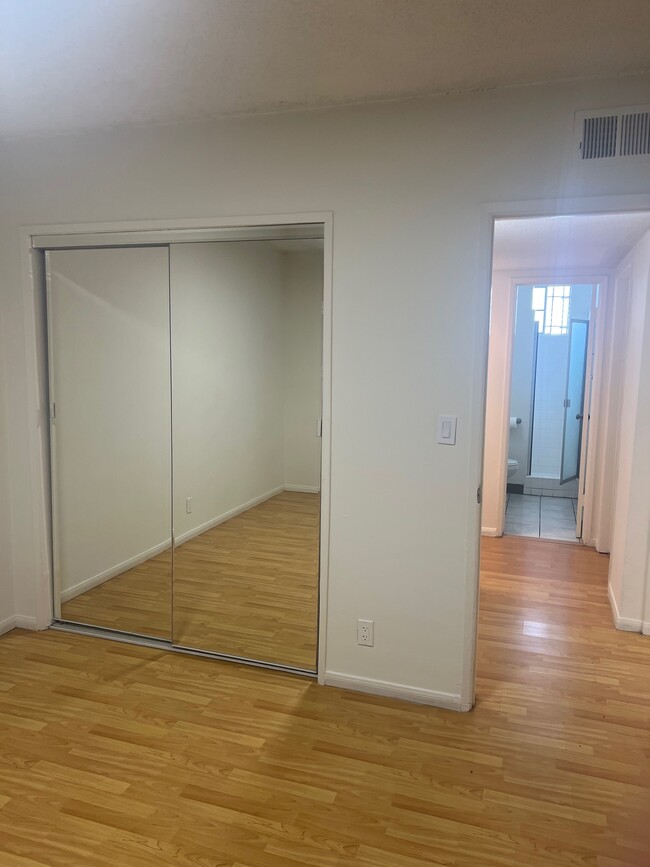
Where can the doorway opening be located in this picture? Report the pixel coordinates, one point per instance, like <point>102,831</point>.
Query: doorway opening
<point>556,369</point>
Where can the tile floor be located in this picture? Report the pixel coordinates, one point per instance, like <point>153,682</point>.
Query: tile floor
<point>541,517</point>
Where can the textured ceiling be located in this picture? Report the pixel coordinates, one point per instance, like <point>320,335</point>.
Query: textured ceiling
<point>593,241</point>
<point>79,64</point>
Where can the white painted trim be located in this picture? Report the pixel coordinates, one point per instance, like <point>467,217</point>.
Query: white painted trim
<point>447,700</point>
<point>18,621</point>
<point>38,410</point>
<point>645,628</point>
<point>7,624</point>
<point>22,621</point>
<point>490,531</point>
<point>113,572</point>
<point>626,624</point>
<point>226,516</point>
<point>591,432</point>
<point>326,445</point>
<point>303,489</point>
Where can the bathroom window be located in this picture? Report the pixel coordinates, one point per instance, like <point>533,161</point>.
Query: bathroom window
<point>551,309</point>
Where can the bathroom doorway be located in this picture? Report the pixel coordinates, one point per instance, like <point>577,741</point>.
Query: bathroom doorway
<point>552,371</point>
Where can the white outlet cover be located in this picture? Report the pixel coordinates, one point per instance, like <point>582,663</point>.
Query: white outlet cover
<point>366,633</point>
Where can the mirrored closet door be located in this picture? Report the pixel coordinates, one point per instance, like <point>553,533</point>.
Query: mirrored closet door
<point>193,367</point>
<point>247,387</point>
<point>109,379</point>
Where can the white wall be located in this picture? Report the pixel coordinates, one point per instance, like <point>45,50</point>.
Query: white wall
<point>109,328</point>
<point>405,182</point>
<point>302,379</point>
<point>227,337</point>
<point>628,576</point>
<point>523,352</point>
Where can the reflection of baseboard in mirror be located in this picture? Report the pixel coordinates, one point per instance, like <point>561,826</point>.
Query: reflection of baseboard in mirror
<point>68,593</point>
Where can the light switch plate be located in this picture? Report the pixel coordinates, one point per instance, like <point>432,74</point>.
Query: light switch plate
<point>447,430</point>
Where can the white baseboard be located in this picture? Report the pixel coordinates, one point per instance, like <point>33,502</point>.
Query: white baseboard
<point>626,624</point>
<point>7,624</point>
<point>448,700</point>
<point>490,531</point>
<point>232,513</point>
<point>303,489</point>
<point>25,622</point>
<point>107,574</point>
<point>645,628</point>
<point>17,621</point>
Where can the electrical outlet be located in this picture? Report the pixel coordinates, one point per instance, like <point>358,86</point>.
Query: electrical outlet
<point>188,506</point>
<point>366,632</point>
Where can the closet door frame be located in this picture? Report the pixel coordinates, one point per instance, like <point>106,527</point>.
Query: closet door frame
<point>34,241</point>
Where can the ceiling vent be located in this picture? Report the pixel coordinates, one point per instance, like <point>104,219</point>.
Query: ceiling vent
<point>613,134</point>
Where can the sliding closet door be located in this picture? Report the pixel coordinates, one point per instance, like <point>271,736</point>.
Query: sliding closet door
<point>108,318</point>
<point>246,361</point>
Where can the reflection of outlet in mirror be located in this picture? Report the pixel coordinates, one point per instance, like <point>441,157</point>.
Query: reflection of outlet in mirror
<point>447,430</point>
<point>188,506</point>
<point>366,632</point>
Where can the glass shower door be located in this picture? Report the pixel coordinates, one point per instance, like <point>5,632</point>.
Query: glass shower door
<point>574,400</point>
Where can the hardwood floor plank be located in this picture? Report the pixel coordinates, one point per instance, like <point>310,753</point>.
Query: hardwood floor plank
<point>113,754</point>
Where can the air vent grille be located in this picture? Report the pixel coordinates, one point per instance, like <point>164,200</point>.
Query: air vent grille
<point>635,134</point>
<point>599,137</point>
<point>613,133</point>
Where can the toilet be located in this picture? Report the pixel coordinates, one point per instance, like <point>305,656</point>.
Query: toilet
<point>513,466</point>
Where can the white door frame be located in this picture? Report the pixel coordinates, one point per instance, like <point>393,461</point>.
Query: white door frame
<point>35,319</point>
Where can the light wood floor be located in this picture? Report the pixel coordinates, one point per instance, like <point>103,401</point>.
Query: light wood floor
<point>248,587</point>
<point>118,755</point>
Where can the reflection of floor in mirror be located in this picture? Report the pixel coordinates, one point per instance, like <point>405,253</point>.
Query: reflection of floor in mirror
<point>138,600</point>
<point>249,587</point>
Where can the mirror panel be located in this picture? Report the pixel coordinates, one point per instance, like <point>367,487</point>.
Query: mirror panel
<point>109,365</point>
<point>247,397</point>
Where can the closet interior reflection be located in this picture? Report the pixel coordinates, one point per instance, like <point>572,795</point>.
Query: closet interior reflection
<point>186,397</point>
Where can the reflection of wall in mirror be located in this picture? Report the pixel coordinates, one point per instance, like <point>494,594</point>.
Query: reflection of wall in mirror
<point>303,353</point>
<point>109,353</point>
<point>247,334</point>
